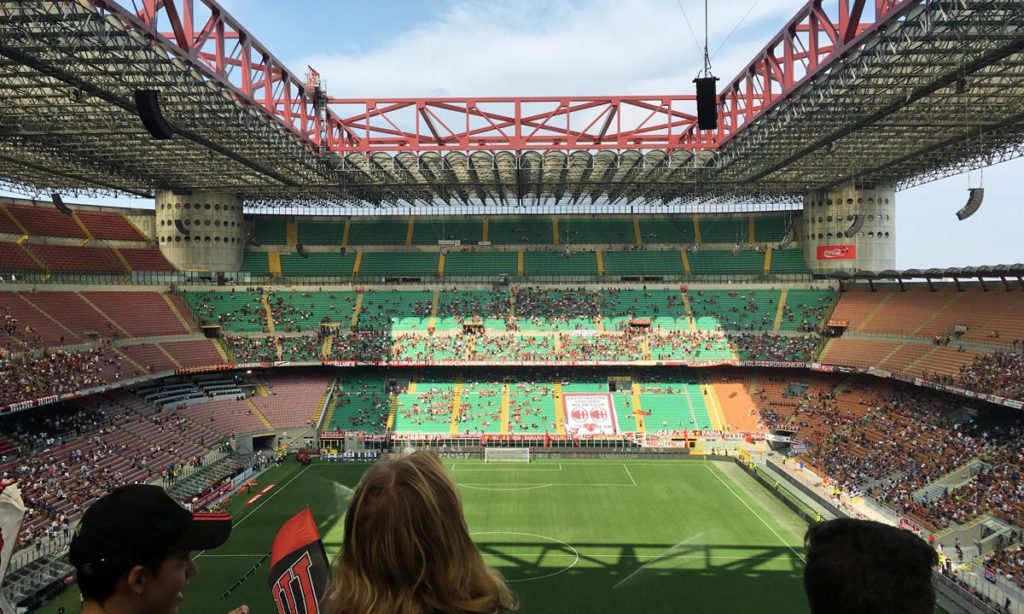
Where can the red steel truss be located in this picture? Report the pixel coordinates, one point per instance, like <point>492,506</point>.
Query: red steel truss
<point>203,36</point>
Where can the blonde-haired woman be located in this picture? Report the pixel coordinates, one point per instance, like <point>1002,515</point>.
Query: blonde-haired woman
<point>407,548</point>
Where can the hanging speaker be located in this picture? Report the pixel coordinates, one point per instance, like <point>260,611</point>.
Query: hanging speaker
<point>973,203</point>
<point>707,103</point>
<point>786,240</point>
<point>344,251</point>
<point>252,240</point>
<point>147,103</point>
<point>181,228</point>
<point>59,203</point>
<point>858,223</point>
<point>301,250</point>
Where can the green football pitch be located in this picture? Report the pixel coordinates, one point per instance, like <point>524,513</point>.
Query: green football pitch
<point>569,536</point>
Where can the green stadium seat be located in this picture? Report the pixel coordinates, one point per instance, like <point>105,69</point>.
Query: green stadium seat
<point>554,263</point>
<point>613,230</point>
<point>735,310</point>
<point>644,262</point>
<point>769,228</point>
<point>399,264</point>
<point>725,263</point>
<point>724,229</point>
<point>256,263</point>
<point>320,232</point>
<point>789,261</point>
<point>429,231</point>
<point>319,264</point>
<point>675,230</point>
<point>472,264</point>
<point>378,232</point>
<point>270,230</point>
<point>520,231</point>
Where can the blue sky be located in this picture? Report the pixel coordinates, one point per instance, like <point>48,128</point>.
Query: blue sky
<point>585,47</point>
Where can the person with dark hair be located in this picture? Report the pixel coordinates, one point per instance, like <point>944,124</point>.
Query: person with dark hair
<point>855,566</point>
<point>407,548</point>
<point>132,551</point>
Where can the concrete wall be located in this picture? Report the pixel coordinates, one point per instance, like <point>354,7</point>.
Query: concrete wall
<point>827,215</point>
<point>216,237</point>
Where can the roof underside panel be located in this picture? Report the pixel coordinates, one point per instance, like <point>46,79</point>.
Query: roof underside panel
<point>937,89</point>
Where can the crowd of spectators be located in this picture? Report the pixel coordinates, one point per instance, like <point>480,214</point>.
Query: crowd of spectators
<point>32,376</point>
<point>1000,374</point>
<point>370,401</point>
<point>770,347</point>
<point>1008,563</point>
<point>209,307</point>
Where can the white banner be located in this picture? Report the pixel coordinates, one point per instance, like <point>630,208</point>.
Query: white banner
<point>589,414</point>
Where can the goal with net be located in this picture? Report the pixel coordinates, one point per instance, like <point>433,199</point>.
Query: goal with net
<point>506,455</point>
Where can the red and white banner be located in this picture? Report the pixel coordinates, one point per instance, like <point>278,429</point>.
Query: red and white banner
<point>589,414</point>
<point>837,252</point>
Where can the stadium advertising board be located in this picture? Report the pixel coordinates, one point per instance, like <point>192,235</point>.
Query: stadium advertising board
<point>589,414</point>
<point>837,252</point>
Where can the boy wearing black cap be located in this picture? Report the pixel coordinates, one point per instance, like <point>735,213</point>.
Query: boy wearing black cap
<point>131,551</point>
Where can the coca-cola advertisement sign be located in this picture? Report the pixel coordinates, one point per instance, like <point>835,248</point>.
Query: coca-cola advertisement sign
<point>837,252</point>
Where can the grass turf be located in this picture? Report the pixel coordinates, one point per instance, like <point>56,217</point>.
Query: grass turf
<point>569,536</point>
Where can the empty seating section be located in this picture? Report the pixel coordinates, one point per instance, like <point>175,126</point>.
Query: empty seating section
<point>901,359</point>
<point>305,310</point>
<point>664,308</point>
<point>46,221</point>
<point>426,409</point>
<point>293,398</point>
<point>71,310</point>
<point>256,262</point>
<point>520,231</point>
<point>393,264</point>
<point>270,230</point>
<point>480,263</point>
<point>806,310</point>
<point>226,417</point>
<point>142,314</point>
<point>360,403</point>
<point>396,311</point>
<point>109,226</point>
<point>146,259</point>
<point>237,312</point>
<point>194,353</point>
<point>945,361</point>
<point>624,414</point>
<point>430,231</point>
<point>861,353</point>
<point>677,230</point>
<point>903,312</point>
<point>724,229</point>
<point>77,259</point>
<point>737,310</point>
<point>855,305</point>
<point>711,262</point>
<point>646,262</point>
<point>320,232</point>
<point>32,326</point>
<point>7,225</point>
<point>480,407</point>
<point>421,349</point>
<point>456,306</point>
<point>559,263</point>
<point>322,264</point>
<point>378,232</point>
<point>788,262</point>
<point>149,357</point>
<point>666,409</point>
<point>738,408</point>
<point>575,231</point>
<point>13,258</point>
<point>769,228</point>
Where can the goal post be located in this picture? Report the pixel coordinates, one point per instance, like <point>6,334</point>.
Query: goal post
<point>506,455</point>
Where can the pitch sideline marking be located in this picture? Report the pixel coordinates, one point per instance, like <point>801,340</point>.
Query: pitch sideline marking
<point>756,515</point>
<point>552,539</point>
<point>276,492</point>
<point>659,558</point>
<point>629,474</point>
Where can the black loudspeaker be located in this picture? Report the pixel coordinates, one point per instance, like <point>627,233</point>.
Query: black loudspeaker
<point>147,103</point>
<point>301,250</point>
<point>858,223</point>
<point>786,240</point>
<point>707,103</point>
<point>253,241</point>
<point>181,228</point>
<point>973,203</point>
<point>344,251</point>
<point>59,203</point>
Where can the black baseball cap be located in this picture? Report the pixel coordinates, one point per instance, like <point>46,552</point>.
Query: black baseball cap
<point>134,523</point>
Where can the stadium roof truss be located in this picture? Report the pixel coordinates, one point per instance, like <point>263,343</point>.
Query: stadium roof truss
<point>901,91</point>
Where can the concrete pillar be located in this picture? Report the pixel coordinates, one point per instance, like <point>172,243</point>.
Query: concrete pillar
<point>829,213</point>
<point>216,231</point>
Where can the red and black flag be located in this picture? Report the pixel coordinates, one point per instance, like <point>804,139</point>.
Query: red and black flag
<point>298,566</point>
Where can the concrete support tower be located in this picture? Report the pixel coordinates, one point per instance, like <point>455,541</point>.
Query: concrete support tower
<point>213,220</point>
<point>829,214</point>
